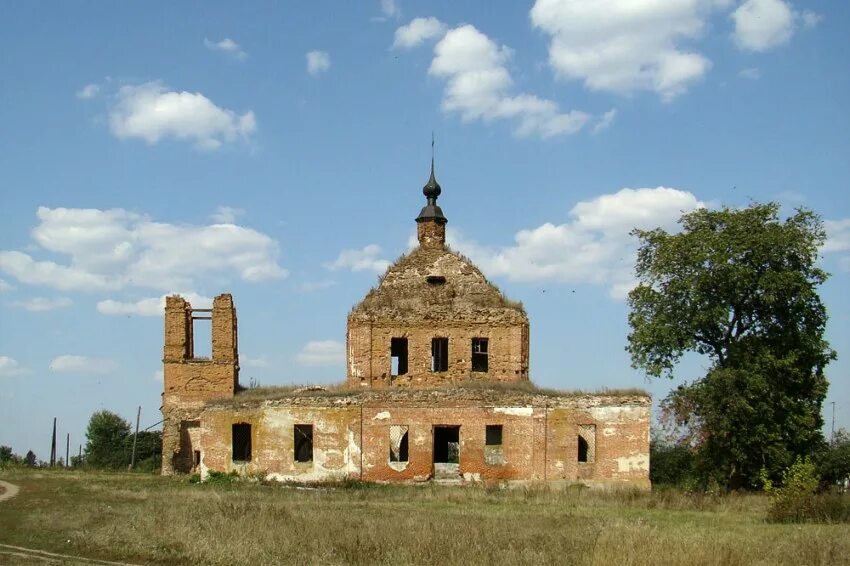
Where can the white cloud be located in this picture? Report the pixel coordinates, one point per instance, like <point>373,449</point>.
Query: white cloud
<point>594,246</point>
<point>159,376</point>
<point>763,24</point>
<point>226,214</point>
<point>113,249</point>
<point>750,73</point>
<point>626,46</point>
<point>605,121</point>
<point>360,260</point>
<point>82,364</point>
<point>152,112</point>
<point>89,91</point>
<point>258,362</point>
<point>10,366</point>
<point>318,62</point>
<point>417,31</point>
<point>228,47</point>
<point>5,286</point>
<point>838,235</point>
<point>478,86</point>
<point>389,8</point>
<point>321,353</point>
<point>153,306</point>
<point>42,304</point>
<point>810,19</point>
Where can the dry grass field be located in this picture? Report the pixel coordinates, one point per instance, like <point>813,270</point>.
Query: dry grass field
<point>146,519</point>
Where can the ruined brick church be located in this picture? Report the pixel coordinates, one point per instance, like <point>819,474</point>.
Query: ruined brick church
<point>437,390</point>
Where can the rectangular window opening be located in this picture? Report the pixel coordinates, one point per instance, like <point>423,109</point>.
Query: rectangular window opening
<point>398,355</point>
<point>303,443</point>
<point>201,343</point>
<point>587,443</point>
<point>398,443</point>
<point>493,435</point>
<point>480,354</point>
<point>241,434</point>
<point>439,354</point>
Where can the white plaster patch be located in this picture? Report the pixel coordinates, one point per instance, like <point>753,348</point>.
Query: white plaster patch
<point>638,462</point>
<point>559,465</point>
<point>619,414</point>
<point>467,476</point>
<point>382,416</point>
<point>398,466</point>
<point>516,411</point>
<point>609,431</point>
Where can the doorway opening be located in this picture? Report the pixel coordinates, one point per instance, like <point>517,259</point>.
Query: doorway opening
<point>446,452</point>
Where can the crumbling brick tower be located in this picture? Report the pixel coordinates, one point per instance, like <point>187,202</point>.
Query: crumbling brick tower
<point>434,319</point>
<point>191,381</point>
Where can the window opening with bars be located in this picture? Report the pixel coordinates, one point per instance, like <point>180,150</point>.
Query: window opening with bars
<point>480,354</point>
<point>587,443</point>
<point>398,443</point>
<point>439,354</point>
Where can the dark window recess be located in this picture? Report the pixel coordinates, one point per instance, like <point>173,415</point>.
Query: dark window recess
<point>493,435</point>
<point>303,443</point>
<point>439,354</point>
<point>446,444</point>
<point>196,459</point>
<point>582,449</point>
<point>479,354</point>
<point>398,443</point>
<point>241,442</point>
<point>435,280</point>
<point>398,355</point>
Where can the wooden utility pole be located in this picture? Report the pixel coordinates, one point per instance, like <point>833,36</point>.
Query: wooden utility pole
<point>135,437</point>
<point>67,450</point>
<point>53,445</point>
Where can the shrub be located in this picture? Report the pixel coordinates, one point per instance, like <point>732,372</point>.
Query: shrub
<point>797,500</point>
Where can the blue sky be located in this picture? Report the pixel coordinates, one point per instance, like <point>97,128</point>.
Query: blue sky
<point>277,152</point>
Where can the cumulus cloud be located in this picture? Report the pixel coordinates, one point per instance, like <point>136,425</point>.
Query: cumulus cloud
<point>226,214</point>
<point>82,364</point>
<point>153,306</point>
<point>10,367</point>
<point>624,47</point>
<point>228,47</point>
<point>89,91</point>
<point>479,86</point>
<point>365,259</point>
<point>761,25</point>
<point>114,249</point>
<point>318,62</point>
<point>418,31</point>
<point>321,353</point>
<point>152,112</point>
<point>5,286</point>
<point>810,19</point>
<point>43,304</point>
<point>593,246</point>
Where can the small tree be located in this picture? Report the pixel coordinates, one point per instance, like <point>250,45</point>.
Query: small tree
<point>740,287</point>
<point>5,455</point>
<point>30,459</point>
<point>106,438</point>
<point>834,462</point>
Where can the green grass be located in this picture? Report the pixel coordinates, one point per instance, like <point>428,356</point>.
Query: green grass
<point>150,519</point>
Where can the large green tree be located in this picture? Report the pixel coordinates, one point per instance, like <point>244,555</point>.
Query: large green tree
<point>740,287</point>
<point>106,441</point>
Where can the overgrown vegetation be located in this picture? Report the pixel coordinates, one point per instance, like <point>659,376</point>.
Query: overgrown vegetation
<point>150,519</point>
<point>109,444</point>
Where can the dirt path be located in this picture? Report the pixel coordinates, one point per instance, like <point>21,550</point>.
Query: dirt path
<point>10,490</point>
